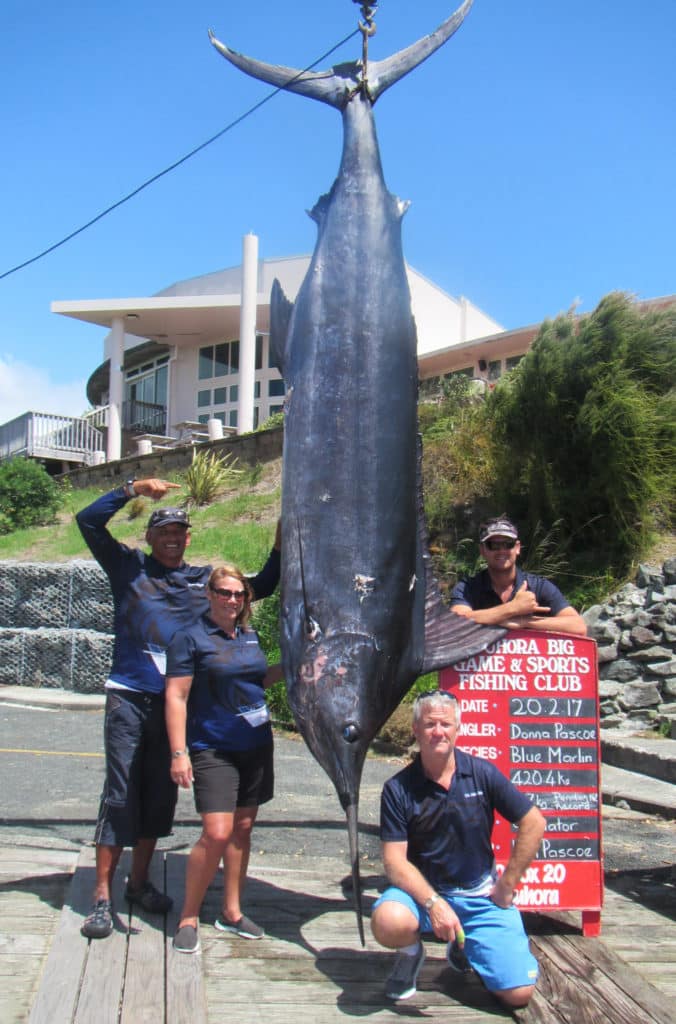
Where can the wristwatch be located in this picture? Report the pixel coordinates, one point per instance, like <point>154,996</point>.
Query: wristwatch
<point>178,753</point>
<point>129,487</point>
<point>431,901</point>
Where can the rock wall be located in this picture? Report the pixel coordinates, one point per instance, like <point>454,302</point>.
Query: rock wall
<point>636,635</point>
<point>56,622</point>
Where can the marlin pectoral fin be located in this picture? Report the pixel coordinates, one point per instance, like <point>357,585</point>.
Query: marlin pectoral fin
<point>280,317</point>
<point>450,637</point>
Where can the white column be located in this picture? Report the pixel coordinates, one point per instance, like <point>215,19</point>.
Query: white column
<point>247,333</point>
<point>115,390</point>
<point>463,318</point>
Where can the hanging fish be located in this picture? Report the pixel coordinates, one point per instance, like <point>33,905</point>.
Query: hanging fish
<point>361,615</point>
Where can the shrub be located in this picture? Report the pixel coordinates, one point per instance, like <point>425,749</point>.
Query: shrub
<point>584,429</point>
<point>29,496</point>
<point>208,476</point>
<point>273,421</point>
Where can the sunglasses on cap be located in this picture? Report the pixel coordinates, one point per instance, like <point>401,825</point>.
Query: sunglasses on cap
<point>436,693</point>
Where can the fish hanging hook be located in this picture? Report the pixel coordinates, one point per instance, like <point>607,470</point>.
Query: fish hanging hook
<point>367,28</point>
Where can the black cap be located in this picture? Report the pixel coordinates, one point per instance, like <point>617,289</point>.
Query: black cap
<point>164,516</point>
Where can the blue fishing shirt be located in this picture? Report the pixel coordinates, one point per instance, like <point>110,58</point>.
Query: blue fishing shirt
<point>477,592</point>
<point>226,706</point>
<point>151,602</point>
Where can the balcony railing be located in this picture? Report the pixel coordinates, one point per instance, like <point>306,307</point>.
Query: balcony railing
<point>144,417</point>
<point>43,435</point>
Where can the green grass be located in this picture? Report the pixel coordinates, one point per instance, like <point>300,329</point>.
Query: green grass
<point>238,528</point>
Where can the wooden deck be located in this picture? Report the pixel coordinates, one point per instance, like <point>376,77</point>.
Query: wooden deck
<point>131,977</point>
<point>311,967</point>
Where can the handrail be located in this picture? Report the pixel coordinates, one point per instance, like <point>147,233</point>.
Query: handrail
<point>49,435</point>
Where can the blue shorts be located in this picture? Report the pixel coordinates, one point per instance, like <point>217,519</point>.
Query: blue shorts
<point>139,798</point>
<point>496,943</point>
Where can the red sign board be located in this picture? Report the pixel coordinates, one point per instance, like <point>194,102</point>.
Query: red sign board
<point>529,703</point>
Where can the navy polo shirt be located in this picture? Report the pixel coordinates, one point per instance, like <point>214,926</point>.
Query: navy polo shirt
<point>228,675</point>
<point>477,592</point>
<point>449,831</point>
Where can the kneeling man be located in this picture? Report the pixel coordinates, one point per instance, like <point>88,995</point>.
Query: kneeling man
<point>436,823</point>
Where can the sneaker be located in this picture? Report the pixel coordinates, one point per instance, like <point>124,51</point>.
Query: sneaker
<point>245,927</point>
<point>148,897</point>
<point>186,939</point>
<point>98,924</point>
<point>401,983</point>
<point>457,958</point>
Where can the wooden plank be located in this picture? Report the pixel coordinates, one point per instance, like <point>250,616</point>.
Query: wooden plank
<point>60,982</point>
<point>186,1001</point>
<point>625,988</point>
<point>103,977</point>
<point>143,998</point>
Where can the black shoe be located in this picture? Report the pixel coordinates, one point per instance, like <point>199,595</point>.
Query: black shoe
<point>401,983</point>
<point>148,897</point>
<point>457,958</point>
<point>98,924</point>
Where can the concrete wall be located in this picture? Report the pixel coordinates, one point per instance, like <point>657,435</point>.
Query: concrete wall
<point>249,448</point>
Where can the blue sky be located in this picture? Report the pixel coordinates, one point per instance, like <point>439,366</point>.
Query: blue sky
<point>537,149</point>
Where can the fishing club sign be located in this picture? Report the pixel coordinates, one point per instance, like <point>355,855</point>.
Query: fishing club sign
<point>529,703</point>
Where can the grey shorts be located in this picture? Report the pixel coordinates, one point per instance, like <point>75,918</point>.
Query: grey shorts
<point>226,779</point>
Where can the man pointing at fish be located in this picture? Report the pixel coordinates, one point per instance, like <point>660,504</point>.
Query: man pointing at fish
<point>504,595</point>
<point>154,595</point>
<point>436,821</point>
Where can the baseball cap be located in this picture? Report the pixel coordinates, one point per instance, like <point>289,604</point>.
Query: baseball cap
<point>500,527</point>
<point>164,516</point>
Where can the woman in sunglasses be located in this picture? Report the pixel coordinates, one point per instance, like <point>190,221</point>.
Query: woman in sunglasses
<point>503,595</point>
<point>221,743</point>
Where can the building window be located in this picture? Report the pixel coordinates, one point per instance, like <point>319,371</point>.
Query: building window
<point>145,396</point>
<point>220,396</point>
<point>218,360</point>
<point>222,360</point>
<point>232,418</point>
<point>494,369</point>
<point>512,362</point>
<point>234,392</point>
<point>206,363</point>
<point>276,408</point>
<point>203,418</point>
<point>275,388</point>
<point>203,398</point>
<point>259,351</point>
<point>257,389</point>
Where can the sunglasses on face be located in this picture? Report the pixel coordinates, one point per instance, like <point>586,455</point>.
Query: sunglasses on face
<point>499,545</point>
<point>239,595</point>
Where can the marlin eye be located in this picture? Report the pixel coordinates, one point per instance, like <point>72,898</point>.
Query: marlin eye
<point>350,732</point>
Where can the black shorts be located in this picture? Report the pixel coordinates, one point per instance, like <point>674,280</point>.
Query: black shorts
<point>138,798</point>
<point>226,779</point>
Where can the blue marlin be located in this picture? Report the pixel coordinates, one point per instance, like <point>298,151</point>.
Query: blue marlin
<point>361,615</point>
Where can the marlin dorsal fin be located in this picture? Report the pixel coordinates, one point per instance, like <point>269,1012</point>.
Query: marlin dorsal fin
<point>281,309</point>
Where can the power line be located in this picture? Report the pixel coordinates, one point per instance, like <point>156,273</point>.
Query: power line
<point>177,163</point>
